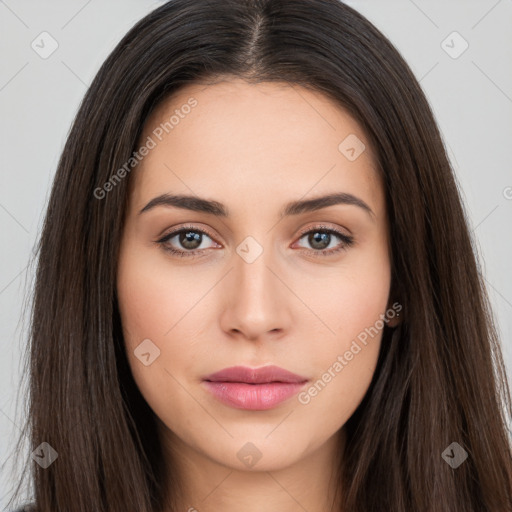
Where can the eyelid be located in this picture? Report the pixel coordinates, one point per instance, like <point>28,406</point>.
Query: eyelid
<point>323,227</point>
<point>191,227</point>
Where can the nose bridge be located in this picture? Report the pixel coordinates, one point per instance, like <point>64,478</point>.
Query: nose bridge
<point>253,277</point>
<point>252,268</point>
<point>255,302</point>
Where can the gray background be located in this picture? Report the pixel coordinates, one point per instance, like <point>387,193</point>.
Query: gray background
<point>470,93</point>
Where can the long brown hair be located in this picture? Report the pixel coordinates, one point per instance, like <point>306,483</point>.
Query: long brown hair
<point>440,377</point>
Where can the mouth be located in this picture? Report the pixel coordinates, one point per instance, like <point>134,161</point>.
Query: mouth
<point>254,388</point>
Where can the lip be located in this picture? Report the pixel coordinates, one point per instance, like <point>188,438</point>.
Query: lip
<point>254,388</point>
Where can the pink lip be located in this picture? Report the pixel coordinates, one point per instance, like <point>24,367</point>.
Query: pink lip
<point>254,388</point>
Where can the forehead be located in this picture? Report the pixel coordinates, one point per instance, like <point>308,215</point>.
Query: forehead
<point>232,138</point>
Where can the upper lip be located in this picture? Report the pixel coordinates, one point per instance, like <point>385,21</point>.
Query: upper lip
<point>264,374</point>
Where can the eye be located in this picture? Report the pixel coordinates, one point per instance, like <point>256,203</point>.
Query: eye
<point>191,240</point>
<point>321,238</point>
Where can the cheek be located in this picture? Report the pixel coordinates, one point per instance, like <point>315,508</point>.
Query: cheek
<point>351,300</point>
<point>361,306</point>
<point>154,298</point>
<point>344,363</point>
<point>158,303</point>
<point>147,313</point>
<point>345,356</point>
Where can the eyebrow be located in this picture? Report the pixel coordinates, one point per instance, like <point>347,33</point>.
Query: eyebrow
<point>197,204</point>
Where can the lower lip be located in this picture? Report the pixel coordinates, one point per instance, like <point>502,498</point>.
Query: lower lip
<point>254,397</point>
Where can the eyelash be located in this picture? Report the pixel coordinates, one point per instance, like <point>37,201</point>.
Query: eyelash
<point>347,241</point>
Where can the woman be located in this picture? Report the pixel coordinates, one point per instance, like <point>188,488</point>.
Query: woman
<point>256,285</point>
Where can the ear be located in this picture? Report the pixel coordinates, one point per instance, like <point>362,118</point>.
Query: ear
<point>394,313</point>
<point>395,310</point>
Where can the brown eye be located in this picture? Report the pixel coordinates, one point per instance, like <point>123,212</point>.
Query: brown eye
<point>185,242</point>
<point>323,240</point>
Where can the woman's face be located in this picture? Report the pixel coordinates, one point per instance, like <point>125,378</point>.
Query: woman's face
<point>255,282</point>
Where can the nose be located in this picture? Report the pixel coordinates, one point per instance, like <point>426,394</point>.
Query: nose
<point>256,298</point>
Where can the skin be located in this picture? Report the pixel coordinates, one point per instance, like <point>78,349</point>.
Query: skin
<point>253,148</point>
